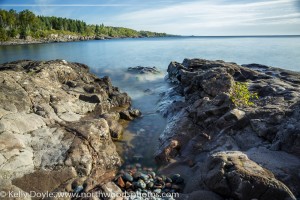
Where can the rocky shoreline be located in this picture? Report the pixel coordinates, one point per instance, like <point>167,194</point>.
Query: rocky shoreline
<point>55,38</point>
<point>236,152</point>
<point>57,122</point>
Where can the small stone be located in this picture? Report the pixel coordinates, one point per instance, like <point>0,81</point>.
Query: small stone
<point>174,177</point>
<point>152,174</point>
<point>166,190</point>
<point>78,189</point>
<point>120,182</point>
<point>168,185</point>
<point>135,184</point>
<point>138,165</point>
<point>158,186</point>
<point>137,175</point>
<point>176,187</point>
<point>128,185</point>
<point>141,184</point>
<point>127,177</point>
<point>159,178</point>
<point>168,180</point>
<point>157,191</point>
<point>144,177</point>
<point>150,185</point>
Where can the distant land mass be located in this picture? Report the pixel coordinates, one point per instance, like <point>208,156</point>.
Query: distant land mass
<point>26,27</point>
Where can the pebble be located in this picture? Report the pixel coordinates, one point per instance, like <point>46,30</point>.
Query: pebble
<point>120,182</point>
<point>176,187</point>
<point>128,185</point>
<point>150,185</point>
<point>138,165</point>
<point>168,185</point>
<point>174,177</point>
<point>159,178</point>
<point>158,186</point>
<point>127,177</point>
<point>78,189</point>
<point>152,174</point>
<point>140,179</point>
<point>137,175</point>
<point>141,184</point>
<point>144,177</point>
<point>157,190</point>
<point>168,180</point>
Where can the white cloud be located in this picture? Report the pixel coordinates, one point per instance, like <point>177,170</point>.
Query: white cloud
<point>200,16</point>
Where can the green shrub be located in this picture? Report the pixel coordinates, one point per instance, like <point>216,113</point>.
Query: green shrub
<point>241,96</point>
<point>3,34</point>
<point>13,33</point>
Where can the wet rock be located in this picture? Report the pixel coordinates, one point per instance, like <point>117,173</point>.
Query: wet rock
<point>144,177</point>
<point>78,189</point>
<point>143,70</point>
<point>141,184</point>
<point>127,177</point>
<point>135,113</point>
<point>130,115</point>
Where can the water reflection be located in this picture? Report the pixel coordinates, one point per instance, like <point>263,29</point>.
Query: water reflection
<point>140,139</point>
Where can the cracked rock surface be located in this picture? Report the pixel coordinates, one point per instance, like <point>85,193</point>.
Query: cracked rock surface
<point>245,152</point>
<point>55,126</point>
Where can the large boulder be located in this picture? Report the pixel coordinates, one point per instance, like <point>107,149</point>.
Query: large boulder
<point>51,135</point>
<point>233,175</point>
<point>202,119</point>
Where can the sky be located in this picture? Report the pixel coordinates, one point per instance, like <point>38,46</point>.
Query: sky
<point>191,17</point>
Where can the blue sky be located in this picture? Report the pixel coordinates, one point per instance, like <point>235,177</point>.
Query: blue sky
<point>201,17</point>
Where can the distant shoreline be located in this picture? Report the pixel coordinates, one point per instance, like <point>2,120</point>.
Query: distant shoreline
<point>63,40</point>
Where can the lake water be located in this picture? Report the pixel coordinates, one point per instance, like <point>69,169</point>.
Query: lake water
<point>113,57</point>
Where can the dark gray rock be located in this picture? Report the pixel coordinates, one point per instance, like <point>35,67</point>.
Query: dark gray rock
<point>233,175</point>
<point>143,70</point>
<point>204,120</point>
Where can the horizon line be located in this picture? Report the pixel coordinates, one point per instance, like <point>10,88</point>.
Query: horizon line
<point>237,35</point>
<point>64,5</point>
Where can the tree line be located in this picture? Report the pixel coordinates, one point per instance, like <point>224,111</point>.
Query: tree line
<point>25,23</point>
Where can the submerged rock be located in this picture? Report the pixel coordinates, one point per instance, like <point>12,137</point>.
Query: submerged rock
<point>143,70</point>
<point>50,132</point>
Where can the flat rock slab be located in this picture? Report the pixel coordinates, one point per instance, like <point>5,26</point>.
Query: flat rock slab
<point>49,136</point>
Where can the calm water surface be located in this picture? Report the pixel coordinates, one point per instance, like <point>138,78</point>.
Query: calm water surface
<point>113,57</point>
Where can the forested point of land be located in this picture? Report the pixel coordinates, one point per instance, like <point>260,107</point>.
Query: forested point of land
<point>24,24</point>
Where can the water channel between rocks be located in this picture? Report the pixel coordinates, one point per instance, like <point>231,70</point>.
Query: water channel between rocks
<point>140,138</point>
